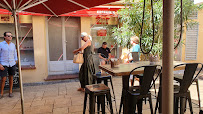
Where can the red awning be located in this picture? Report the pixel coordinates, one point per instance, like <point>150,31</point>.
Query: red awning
<point>6,12</point>
<point>96,11</point>
<point>52,7</point>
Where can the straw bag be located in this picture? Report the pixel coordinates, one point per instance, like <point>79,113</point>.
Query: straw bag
<point>78,58</point>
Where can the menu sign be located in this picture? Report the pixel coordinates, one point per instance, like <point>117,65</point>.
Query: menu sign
<point>101,32</point>
<point>5,18</point>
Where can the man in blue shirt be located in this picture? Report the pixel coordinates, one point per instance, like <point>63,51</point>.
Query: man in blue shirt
<point>8,59</point>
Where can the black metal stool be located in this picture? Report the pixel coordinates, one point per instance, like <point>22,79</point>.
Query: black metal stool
<point>98,78</point>
<point>93,64</point>
<point>99,91</point>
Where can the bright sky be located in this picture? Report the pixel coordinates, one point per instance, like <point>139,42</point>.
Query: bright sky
<point>198,1</point>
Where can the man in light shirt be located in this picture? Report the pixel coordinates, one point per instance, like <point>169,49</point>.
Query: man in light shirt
<point>8,59</point>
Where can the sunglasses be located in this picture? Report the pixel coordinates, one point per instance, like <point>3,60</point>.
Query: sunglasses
<point>82,38</point>
<point>8,36</point>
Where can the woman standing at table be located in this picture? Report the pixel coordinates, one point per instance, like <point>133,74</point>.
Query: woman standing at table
<point>85,76</point>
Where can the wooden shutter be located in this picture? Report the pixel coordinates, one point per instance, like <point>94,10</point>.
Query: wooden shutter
<point>191,42</point>
<point>193,15</point>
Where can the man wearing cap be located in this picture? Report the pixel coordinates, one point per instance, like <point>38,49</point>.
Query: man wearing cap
<point>8,59</point>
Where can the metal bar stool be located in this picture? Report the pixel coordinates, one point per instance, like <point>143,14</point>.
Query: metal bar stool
<point>93,64</point>
<point>99,91</point>
<point>136,94</point>
<point>181,91</point>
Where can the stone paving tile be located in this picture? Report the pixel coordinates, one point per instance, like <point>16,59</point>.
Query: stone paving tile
<point>64,98</point>
<point>75,109</point>
<point>63,110</point>
<point>62,102</point>
<point>41,109</point>
<point>38,103</point>
<point>49,101</point>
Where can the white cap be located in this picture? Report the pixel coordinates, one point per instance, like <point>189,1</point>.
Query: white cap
<point>83,34</point>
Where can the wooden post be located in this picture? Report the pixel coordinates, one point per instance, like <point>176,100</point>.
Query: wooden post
<point>168,45</point>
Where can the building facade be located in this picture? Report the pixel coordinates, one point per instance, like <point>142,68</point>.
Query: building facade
<point>47,43</point>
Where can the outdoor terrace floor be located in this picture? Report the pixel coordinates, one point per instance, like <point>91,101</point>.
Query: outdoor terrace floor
<point>62,97</point>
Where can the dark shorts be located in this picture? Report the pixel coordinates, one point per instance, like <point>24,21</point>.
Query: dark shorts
<point>8,71</point>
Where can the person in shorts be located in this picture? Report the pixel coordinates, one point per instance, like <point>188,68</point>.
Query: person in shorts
<point>8,59</point>
<point>104,53</point>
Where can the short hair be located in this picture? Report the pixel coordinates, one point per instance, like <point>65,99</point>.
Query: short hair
<point>6,33</point>
<point>104,43</point>
<point>135,39</point>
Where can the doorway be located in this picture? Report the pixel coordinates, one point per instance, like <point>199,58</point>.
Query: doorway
<point>63,38</point>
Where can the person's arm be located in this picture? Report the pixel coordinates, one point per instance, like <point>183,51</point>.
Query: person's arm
<point>87,43</point>
<point>1,66</point>
<point>102,57</point>
<point>109,56</point>
<point>15,55</point>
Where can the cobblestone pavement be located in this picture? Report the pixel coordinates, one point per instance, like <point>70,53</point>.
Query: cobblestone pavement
<point>63,98</point>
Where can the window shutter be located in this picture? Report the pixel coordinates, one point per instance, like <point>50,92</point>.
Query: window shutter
<point>193,15</point>
<point>191,42</point>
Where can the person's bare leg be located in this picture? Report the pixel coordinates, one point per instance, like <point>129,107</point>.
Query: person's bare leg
<point>103,63</point>
<point>10,84</point>
<point>3,80</point>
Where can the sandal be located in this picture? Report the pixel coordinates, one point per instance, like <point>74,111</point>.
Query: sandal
<point>83,90</point>
<point>80,89</point>
<point>10,95</point>
<point>1,96</point>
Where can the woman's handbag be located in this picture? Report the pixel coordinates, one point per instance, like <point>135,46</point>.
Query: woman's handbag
<point>78,58</point>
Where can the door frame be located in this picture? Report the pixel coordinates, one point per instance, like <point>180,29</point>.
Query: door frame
<point>64,62</point>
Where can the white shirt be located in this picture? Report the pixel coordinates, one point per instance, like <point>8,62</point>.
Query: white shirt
<point>8,54</point>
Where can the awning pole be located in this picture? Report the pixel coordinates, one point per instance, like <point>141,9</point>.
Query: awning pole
<point>78,4</point>
<point>18,53</point>
<point>8,5</point>
<point>49,9</point>
<point>19,63</point>
<point>31,5</point>
<point>168,44</point>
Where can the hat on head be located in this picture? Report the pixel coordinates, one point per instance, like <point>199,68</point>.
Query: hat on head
<point>83,34</point>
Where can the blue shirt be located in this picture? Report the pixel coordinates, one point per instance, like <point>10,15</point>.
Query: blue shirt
<point>136,48</point>
<point>8,54</point>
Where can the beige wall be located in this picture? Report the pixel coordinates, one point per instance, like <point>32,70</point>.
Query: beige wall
<point>200,40</point>
<point>85,26</point>
<point>40,52</point>
<point>23,18</point>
